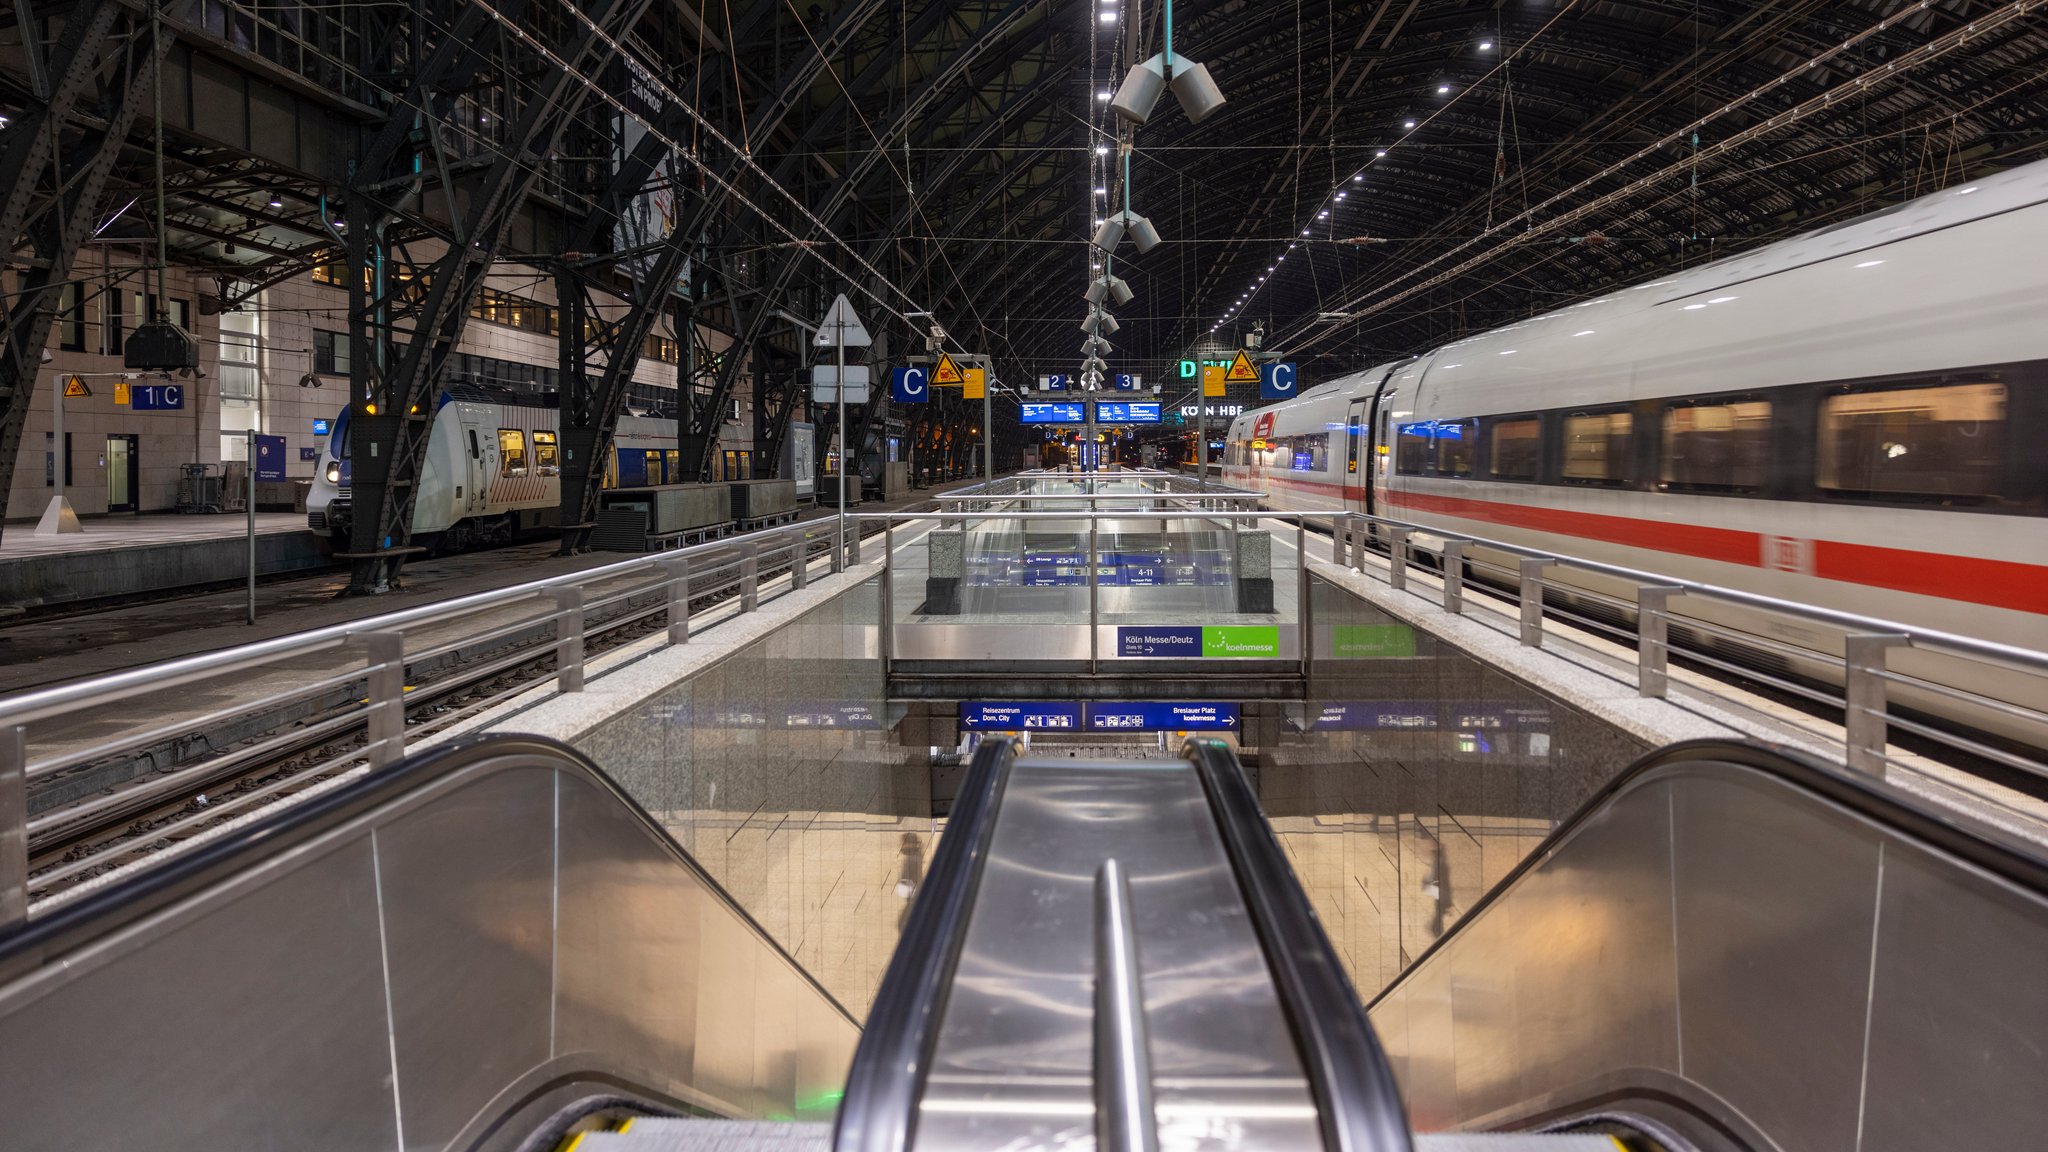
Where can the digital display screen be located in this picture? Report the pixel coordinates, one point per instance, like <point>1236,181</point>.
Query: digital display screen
<point>1127,412</point>
<point>1058,412</point>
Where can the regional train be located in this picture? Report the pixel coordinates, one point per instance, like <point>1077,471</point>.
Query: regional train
<point>493,469</point>
<point>1855,418</point>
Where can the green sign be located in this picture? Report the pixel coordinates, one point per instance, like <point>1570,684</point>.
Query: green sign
<point>1240,641</point>
<point>1371,641</point>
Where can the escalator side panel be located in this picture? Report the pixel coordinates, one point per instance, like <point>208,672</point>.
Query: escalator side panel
<point>1708,940</point>
<point>440,950</point>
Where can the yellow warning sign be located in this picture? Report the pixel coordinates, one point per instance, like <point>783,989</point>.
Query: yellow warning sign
<point>975,387</point>
<point>1212,380</point>
<point>948,374</point>
<point>1242,371</point>
<point>121,392</point>
<point>75,388</point>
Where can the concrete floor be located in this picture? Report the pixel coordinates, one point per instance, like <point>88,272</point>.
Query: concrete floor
<point>19,541</point>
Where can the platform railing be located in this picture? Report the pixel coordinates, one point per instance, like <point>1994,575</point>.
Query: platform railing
<point>1867,667</point>
<point>572,608</point>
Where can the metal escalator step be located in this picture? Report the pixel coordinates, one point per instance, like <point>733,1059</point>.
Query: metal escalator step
<point>653,1135</point>
<point>1515,1142</point>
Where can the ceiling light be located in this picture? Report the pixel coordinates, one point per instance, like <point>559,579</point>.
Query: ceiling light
<point>1107,17</point>
<point>1102,149</point>
<point>1323,215</point>
<point>1342,195</point>
<point>1104,95</point>
<point>1102,191</point>
<point>276,201</point>
<point>1486,45</point>
<point>1443,89</point>
<point>1304,231</point>
<point>1407,123</point>
<point>1361,175</point>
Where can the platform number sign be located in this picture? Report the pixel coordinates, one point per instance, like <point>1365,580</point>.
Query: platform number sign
<point>157,398</point>
<point>1277,381</point>
<point>910,385</point>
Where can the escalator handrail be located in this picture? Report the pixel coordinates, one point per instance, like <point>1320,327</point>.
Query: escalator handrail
<point>1947,830</point>
<point>879,1110</point>
<point>107,911</point>
<point>1358,1104</point>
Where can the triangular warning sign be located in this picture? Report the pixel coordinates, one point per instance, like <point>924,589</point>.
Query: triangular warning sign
<point>948,373</point>
<point>842,327</point>
<point>75,388</point>
<point>1242,371</point>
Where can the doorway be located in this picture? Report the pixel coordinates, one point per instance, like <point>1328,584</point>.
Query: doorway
<point>124,474</point>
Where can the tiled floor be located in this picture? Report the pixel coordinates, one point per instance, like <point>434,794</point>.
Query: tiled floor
<point>19,541</point>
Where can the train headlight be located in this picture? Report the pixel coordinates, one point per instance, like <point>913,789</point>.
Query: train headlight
<point>334,471</point>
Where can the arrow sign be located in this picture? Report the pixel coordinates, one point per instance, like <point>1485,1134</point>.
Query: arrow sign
<point>910,386</point>
<point>948,374</point>
<point>1242,370</point>
<point>1277,381</point>
<point>842,327</point>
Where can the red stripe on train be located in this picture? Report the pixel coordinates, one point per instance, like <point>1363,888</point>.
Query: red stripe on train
<point>1971,579</point>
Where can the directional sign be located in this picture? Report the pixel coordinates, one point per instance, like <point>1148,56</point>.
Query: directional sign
<point>841,326</point>
<point>1055,383</point>
<point>1121,412</point>
<point>1061,412</point>
<point>1242,370</point>
<point>948,374</point>
<point>975,386</point>
<point>910,385</point>
<point>1212,380</point>
<point>1019,716</point>
<point>1277,381</point>
<point>825,384</point>
<point>1161,716</point>
<point>75,388</point>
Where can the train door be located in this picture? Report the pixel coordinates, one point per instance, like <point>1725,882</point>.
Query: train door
<point>1357,457</point>
<point>476,475</point>
<point>124,473</point>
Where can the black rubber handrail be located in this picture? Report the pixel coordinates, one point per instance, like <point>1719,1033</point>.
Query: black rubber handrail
<point>1947,830</point>
<point>107,911</point>
<point>879,1111</point>
<point>1358,1105</point>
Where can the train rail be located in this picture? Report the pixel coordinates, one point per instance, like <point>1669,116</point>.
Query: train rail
<point>316,731</point>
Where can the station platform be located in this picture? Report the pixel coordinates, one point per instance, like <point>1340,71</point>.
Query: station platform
<point>121,556</point>
<point>1387,858</point>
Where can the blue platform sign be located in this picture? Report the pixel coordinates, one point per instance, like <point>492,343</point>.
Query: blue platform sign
<point>1019,716</point>
<point>910,385</point>
<point>1055,412</point>
<point>1154,640</point>
<point>156,398</point>
<point>269,457</point>
<point>1127,382</point>
<point>1161,716</point>
<point>1055,383</point>
<point>1277,380</point>
<point>1127,412</point>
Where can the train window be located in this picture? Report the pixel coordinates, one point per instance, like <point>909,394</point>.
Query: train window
<point>1454,446</point>
<point>1596,447</point>
<point>1716,447</point>
<point>475,452</point>
<point>511,452</point>
<point>1515,448</point>
<point>546,456</point>
<point>1411,449</point>
<point>674,459</point>
<point>1942,441</point>
<point>1310,453</point>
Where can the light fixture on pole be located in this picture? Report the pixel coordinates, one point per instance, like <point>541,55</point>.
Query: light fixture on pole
<point>1109,288</point>
<point>1191,83</point>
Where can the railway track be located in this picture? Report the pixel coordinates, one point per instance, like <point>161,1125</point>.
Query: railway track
<point>163,810</point>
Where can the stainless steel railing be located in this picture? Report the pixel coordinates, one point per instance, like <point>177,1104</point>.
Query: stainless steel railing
<point>663,583</point>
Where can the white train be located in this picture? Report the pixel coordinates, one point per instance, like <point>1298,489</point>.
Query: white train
<point>1856,418</point>
<point>493,469</point>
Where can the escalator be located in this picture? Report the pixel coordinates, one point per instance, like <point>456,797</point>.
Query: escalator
<point>1740,948</point>
<point>489,947</point>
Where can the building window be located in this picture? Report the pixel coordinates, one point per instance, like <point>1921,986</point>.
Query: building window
<point>1716,447</point>
<point>335,274</point>
<point>1596,447</point>
<point>1515,448</point>
<point>514,311</point>
<point>330,353</point>
<point>511,452</point>
<point>546,455</point>
<point>71,318</point>
<point>1946,441</point>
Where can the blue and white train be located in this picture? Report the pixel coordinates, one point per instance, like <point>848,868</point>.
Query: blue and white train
<point>493,469</point>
